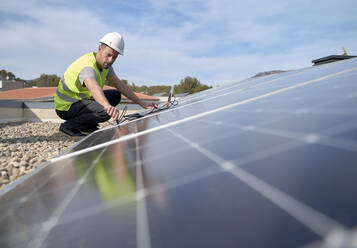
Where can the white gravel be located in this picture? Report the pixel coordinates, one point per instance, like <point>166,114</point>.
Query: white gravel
<point>24,146</point>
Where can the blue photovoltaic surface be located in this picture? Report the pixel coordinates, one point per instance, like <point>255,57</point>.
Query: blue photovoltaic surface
<point>266,162</point>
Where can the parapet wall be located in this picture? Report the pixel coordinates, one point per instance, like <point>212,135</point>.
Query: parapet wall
<point>11,111</point>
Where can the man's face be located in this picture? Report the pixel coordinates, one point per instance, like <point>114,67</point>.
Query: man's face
<point>106,56</point>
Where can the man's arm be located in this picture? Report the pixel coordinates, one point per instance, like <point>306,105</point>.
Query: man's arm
<point>100,98</point>
<point>124,89</point>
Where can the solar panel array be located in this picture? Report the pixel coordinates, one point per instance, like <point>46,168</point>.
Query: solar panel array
<point>266,162</point>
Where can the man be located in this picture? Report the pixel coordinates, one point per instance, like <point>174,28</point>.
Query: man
<point>80,99</point>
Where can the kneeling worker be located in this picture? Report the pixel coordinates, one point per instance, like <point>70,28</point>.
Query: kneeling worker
<point>80,99</point>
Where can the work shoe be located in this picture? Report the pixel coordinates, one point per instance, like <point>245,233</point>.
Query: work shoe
<point>70,131</point>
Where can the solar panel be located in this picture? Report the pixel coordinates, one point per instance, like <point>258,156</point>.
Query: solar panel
<point>266,162</point>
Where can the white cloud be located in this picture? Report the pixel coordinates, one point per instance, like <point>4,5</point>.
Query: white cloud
<point>214,40</point>
<point>50,42</point>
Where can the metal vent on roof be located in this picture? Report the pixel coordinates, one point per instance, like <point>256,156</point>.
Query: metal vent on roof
<point>330,59</point>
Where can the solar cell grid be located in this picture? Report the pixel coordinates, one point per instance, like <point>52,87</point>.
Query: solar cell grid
<point>268,162</point>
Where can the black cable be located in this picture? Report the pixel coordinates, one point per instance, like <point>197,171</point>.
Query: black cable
<point>130,117</point>
<point>119,120</point>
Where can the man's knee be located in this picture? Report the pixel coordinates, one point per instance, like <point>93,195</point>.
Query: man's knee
<point>113,96</point>
<point>116,98</point>
<point>61,114</point>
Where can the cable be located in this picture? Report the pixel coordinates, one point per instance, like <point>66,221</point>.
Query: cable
<point>119,120</point>
<point>138,115</point>
<point>123,117</point>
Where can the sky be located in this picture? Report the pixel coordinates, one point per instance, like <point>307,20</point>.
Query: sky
<point>216,41</point>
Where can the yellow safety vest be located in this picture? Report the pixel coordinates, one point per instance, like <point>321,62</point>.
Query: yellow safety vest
<point>70,89</point>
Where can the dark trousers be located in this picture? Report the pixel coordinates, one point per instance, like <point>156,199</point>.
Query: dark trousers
<point>88,113</point>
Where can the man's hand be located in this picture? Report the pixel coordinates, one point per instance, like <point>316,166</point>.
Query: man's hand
<point>126,91</point>
<point>149,106</point>
<point>112,111</point>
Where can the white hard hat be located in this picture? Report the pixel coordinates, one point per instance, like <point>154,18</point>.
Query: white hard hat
<point>115,41</point>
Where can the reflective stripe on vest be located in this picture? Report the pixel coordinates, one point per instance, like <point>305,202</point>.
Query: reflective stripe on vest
<point>64,85</point>
<point>66,98</point>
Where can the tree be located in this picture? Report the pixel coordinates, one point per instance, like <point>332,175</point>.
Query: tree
<point>190,85</point>
<point>113,85</point>
<point>159,89</point>
<point>46,80</point>
<point>7,75</point>
<point>10,76</point>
